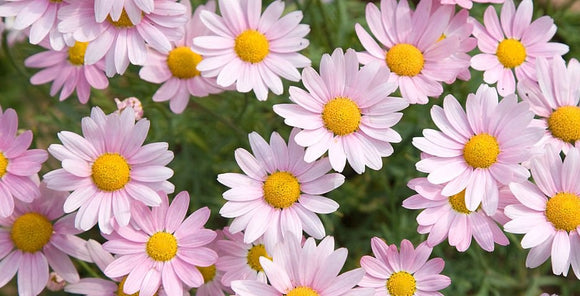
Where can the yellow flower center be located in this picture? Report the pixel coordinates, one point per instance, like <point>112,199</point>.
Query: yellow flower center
<point>405,59</point>
<point>208,273</point>
<point>56,1</point>
<point>481,151</point>
<point>254,255</point>
<point>182,62</point>
<point>30,232</point>
<point>281,190</point>
<point>123,22</point>
<point>252,46</point>
<point>3,164</point>
<point>111,172</point>
<point>162,246</point>
<point>511,53</point>
<point>457,203</point>
<point>563,211</point>
<point>564,123</point>
<point>341,116</point>
<point>401,283</point>
<point>76,53</point>
<point>122,285</point>
<point>302,291</point>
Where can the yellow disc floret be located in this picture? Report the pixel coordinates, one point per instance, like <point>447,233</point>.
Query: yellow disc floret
<point>405,59</point>
<point>254,255</point>
<point>481,151</point>
<point>31,232</point>
<point>3,164</point>
<point>401,283</point>
<point>302,291</point>
<point>252,46</point>
<point>123,22</point>
<point>457,203</point>
<point>162,246</point>
<point>182,62</point>
<point>564,123</point>
<point>341,116</point>
<point>110,172</point>
<point>208,273</point>
<point>76,53</point>
<point>511,53</point>
<point>563,211</point>
<point>281,190</point>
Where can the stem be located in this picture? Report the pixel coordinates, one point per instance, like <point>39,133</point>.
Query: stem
<point>88,269</point>
<point>325,20</point>
<point>6,49</point>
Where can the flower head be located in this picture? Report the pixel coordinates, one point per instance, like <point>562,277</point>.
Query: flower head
<point>131,102</point>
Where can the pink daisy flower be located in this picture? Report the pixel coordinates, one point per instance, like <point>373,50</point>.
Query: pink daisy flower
<point>346,111</point>
<point>479,149</point>
<point>549,213</point>
<point>467,4</point>
<point>307,270</point>
<point>134,9</point>
<point>35,237</point>
<point>109,170</point>
<point>130,102</point>
<point>411,47</point>
<point>448,217</point>
<point>212,275</point>
<point>279,193</point>
<point>176,69</point>
<point>122,42</point>
<point>163,250</point>
<point>18,164</point>
<point>555,99</point>
<point>513,45</point>
<point>402,273</point>
<point>250,49</point>
<point>67,69</point>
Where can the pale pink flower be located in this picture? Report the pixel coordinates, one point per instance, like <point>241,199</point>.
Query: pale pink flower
<point>279,194</point>
<point>549,213</point>
<point>122,42</point>
<point>131,102</point>
<point>250,49</point>
<point>18,164</point>
<point>468,3</point>
<point>346,111</point>
<point>135,9</point>
<point>176,69</point>
<point>304,270</point>
<point>212,275</point>
<point>479,149</point>
<point>161,249</point>
<point>513,45</point>
<point>555,99</point>
<point>35,237</point>
<point>55,282</point>
<point>411,47</point>
<point>109,169</point>
<point>407,272</point>
<point>447,217</point>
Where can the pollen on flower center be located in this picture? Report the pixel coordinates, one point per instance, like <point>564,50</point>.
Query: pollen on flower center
<point>457,203</point>
<point>401,283</point>
<point>564,123</point>
<point>405,59</point>
<point>162,246</point>
<point>281,190</point>
<point>182,62</point>
<point>76,53</point>
<point>120,291</point>
<point>511,53</point>
<point>341,116</point>
<point>481,151</point>
<point>563,211</point>
<point>110,172</point>
<point>254,255</point>
<point>302,291</point>
<point>30,232</point>
<point>207,272</point>
<point>123,22</point>
<point>252,46</point>
<point>3,164</point>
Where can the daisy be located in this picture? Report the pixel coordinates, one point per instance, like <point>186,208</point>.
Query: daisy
<point>35,237</point>
<point>163,250</point>
<point>132,102</point>
<point>279,193</point>
<point>108,169</point>
<point>250,49</point>
<point>410,48</point>
<point>18,164</point>
<point>114,9</point>
<point>212,275</point>
<point>467,4</point>
<point>67,69</point>
<point>177,70</point>
<point>402,273</point>
<point>479,149</point>
<point>513,45</point>
<point>346,112</point>
<point>447,217</point>
<point>123,41</point>
<point>549,212</point>
<point>307,270</point>
<point>555,99</point>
